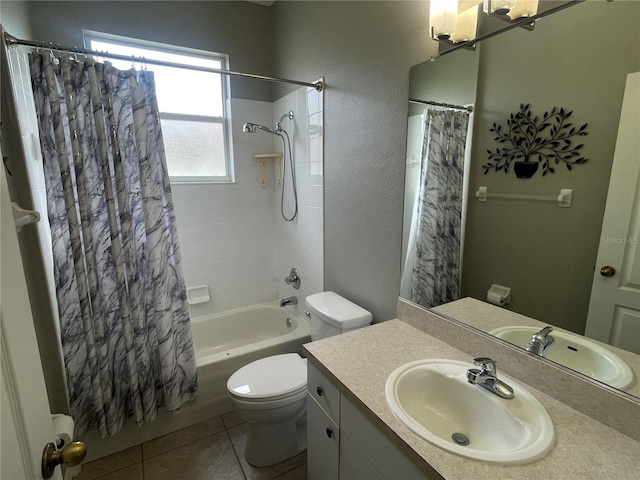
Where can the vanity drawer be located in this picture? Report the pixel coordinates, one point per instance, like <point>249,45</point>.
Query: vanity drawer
<point>323,392</point>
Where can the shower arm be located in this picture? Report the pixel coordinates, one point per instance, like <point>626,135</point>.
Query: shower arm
<point>288,115</point>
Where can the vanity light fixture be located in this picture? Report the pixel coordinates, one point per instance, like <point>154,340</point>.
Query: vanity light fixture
<point>466,25</point>
<point>523,8</point>
<point>456,21</point>
<point>442,18</point>
<point>510,9</point>
<point>498,7</point>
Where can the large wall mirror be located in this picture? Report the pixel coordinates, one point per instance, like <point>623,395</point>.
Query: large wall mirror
<point>577,59</point>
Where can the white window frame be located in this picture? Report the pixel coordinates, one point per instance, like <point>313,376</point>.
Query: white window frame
<point>225,120</point>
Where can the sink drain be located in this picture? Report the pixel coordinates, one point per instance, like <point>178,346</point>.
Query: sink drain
<point>460,439</point>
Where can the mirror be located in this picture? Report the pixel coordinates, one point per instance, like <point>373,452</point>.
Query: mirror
<point>544,253</point>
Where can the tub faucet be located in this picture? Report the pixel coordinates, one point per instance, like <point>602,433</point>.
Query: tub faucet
<point>487,377</point>
<point>289,301</point>
<point>541,342</point>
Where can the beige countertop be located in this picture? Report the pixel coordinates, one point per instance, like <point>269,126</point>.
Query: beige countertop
<point>360,362</point>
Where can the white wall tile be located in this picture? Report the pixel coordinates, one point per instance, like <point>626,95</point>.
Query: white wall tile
<point>193,214</point>
<point>192,234</point>
<point>193,194</point>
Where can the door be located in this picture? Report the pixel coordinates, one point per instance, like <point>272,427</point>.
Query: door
<point>25,415</point>
<point>614,309</point>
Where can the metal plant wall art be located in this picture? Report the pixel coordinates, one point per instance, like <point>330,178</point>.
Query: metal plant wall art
<point>534,142</point>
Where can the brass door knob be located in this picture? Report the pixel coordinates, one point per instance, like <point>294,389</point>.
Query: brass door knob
<point>69,456</point>
<point>607,271</point>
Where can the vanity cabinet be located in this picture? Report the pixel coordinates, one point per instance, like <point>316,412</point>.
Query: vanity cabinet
<point>323,436</point>
<point>343,444</point>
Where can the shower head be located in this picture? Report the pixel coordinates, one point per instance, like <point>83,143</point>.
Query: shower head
<point>252,127</point>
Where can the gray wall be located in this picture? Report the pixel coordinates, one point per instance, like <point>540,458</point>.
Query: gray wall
<point>240,29</point>
<point>450,79</point>
<point>15,18</point>
<point>364,50</point>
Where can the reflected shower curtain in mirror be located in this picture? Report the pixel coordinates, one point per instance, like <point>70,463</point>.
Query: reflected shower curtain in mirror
<point>436,270</point>
<point>124,322</point>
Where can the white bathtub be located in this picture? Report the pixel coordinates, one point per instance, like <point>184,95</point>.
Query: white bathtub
<point>225,342</point>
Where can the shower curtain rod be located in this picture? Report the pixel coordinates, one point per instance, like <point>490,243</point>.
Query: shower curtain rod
<point>439,104</point>
<point>11,41</point>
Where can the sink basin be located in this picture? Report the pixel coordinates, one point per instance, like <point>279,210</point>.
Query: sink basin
<point>436,402</point>
<point>576,352</point>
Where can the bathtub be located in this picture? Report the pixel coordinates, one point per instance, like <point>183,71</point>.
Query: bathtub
<point>225,342</point>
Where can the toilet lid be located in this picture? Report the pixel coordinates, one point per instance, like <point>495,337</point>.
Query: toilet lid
<point>270,377</point>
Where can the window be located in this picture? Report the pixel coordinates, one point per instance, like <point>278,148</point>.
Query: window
<point>192,104</point>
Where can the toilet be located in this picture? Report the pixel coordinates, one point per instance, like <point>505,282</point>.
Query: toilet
<point>271,393</point>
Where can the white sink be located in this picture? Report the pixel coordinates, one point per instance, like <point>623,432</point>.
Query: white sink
<point>577,353</point>
<point>436,402</point>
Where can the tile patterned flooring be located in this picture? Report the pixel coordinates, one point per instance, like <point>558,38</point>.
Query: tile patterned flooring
<point>211,450</point>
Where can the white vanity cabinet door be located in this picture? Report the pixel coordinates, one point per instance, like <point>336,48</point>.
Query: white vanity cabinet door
<point>353,464</point>
<point>376,447</point>
<point>324,392</point>
<point>323,448</point>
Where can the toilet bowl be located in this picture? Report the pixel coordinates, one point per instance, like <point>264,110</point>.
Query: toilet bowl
<point>271,393</point>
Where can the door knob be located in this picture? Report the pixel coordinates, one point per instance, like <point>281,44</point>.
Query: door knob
<point>607,271</point>
<point>69,456</point>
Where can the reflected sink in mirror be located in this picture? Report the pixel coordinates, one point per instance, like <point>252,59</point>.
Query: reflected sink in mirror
<point>436,402</point>
<point>577,353</point>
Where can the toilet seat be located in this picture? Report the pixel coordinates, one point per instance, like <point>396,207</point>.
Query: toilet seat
<point>271,378</point>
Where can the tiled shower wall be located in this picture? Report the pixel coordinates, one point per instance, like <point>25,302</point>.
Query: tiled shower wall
<point>300,243</point>
<point>232,236</point>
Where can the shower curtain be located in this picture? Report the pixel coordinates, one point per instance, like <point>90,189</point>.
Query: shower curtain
<point>435,278</point>
<point>124,322</point>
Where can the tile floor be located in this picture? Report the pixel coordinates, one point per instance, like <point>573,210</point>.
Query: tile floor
<point>211,450</point>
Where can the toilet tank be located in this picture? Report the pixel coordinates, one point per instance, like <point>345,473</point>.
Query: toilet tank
<point>332,314</point>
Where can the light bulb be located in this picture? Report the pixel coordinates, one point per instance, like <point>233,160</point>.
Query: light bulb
<point>442,18</point>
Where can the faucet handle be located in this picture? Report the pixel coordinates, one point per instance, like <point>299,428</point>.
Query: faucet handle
<point>545,331</point>
<point>486,364</point>
<point>293,278</point>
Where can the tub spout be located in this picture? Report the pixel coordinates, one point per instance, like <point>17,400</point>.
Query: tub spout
<point>289,301</point>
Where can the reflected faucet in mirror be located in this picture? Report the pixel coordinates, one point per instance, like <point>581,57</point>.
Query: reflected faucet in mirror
<point>550,257</point>
<point>541,342</point>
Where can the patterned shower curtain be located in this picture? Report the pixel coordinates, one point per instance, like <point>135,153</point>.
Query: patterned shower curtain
<point>436,271</point>
<point>124,323</point>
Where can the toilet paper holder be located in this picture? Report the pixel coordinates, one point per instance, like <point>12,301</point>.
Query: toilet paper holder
<point>499,295</point>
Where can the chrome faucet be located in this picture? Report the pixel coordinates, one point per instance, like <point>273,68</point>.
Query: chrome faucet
<point>487,377</point>
<point>541,342</point>
<point>289,301</point>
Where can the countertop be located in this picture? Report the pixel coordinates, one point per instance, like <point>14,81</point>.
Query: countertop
<point>360,362</point>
